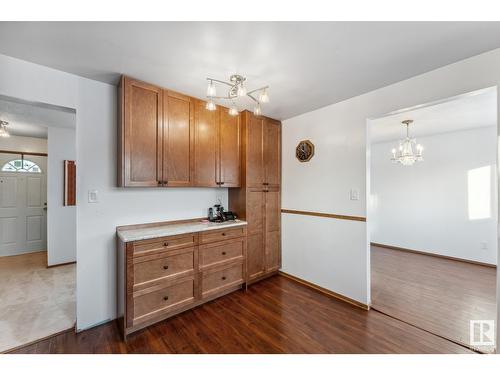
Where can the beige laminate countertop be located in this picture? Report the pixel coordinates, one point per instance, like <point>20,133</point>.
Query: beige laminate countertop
<point>163,230</point>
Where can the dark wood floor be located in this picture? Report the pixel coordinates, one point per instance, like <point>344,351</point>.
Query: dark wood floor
<point>437,294</point>
<point>276,315</point>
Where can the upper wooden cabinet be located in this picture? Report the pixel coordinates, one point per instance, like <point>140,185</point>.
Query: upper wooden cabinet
<point>140,134</point>
<point>178,134</point>
<point>169,139</point>
<point>205,146</point>
<point>264,152</point>
<point>229,149</point>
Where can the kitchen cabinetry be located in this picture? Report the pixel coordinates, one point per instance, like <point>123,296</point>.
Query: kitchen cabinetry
<point>258,200</point>
<point>163,276</point>
<point>167,139</point>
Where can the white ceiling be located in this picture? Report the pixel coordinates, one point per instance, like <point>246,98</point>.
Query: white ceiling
<point>307,64</point>
<point>473,110</point>
<point>32,120</point>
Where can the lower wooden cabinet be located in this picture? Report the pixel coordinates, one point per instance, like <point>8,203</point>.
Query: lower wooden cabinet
<point>162,277</point>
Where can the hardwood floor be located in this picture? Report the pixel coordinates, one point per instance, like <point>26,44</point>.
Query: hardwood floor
<point>436,294</point>
<point>276,315</point>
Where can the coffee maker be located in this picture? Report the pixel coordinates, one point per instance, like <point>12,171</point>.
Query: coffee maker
<point>216,214</point>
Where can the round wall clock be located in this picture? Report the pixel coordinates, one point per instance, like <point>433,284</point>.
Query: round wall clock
<point>304,151</point>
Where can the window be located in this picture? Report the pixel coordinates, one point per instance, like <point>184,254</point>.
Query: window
<point>21,165</point>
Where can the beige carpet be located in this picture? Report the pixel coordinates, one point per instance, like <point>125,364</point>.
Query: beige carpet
<point>35,301</point>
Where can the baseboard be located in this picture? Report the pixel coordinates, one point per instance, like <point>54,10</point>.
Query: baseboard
<point>61,264</point>
<point>326,291</point>
<point>432,254</point>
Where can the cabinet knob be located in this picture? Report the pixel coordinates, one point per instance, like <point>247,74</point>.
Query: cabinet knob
<point>165,267</point>
<point>222,182</point>
<point>223,253</point>
<point>223,234</point>
<point>165,298</point>
<point>223,277</point>
<point>165,244</point>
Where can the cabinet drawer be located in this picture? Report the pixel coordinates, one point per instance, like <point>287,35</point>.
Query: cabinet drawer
<point>216,281</point>
<point>156,245</point>
<point>221,234</point>
<point>169,266</point>
<point>214,253</point>
<point>162,300</point>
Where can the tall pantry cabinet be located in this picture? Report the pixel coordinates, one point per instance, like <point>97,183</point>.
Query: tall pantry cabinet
<point>258,200</point>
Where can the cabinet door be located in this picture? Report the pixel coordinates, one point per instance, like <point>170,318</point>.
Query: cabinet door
<point>256,259</point>
<point>272,230</point>
<point>229,148</point>
<point>178,139</point>
<point>272,153</point>
<point>141,134</point>
<point>255,152</point>
<point>205,146</point>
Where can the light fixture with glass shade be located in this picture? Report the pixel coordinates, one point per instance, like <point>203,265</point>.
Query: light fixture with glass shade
<point>409,151</point>
<point>237,89</point>
<point>4,133</point>
<point>210,105</point>
<point>233,110</point>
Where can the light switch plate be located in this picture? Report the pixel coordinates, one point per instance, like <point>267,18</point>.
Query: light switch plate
<point>93,196</point>
<point>354,194</point>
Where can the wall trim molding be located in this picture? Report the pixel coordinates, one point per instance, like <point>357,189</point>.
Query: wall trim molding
<point>323,214</point>
<point>23,153</point>
<point>325,291</point>
<point>432,254</point>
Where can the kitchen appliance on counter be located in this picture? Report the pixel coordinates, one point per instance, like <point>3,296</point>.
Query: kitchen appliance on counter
<point>216,214</point>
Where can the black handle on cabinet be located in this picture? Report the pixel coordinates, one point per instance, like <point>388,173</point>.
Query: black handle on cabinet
<point>265,183</point>
<point>165,298</point>
<point>165,267</point>
<point>223,253</point>
<point>223,234</point>
<point>222,182</point>
<point>165,244</point>
<point>223,277</point>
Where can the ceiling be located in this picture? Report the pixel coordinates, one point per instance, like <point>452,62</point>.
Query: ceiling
<point>307,64</point>
<point>32,120</point>
<point>473,110</point>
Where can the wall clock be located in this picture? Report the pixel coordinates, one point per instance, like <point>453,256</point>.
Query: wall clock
<point>304,151</point>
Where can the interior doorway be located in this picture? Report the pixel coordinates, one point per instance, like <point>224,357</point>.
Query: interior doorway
<point>37,232</point>
<point>432,216</point>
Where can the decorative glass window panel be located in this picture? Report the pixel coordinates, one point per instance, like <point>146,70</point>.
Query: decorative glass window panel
<point>21,165</point>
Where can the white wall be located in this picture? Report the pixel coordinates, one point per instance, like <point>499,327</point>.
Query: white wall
<point>25,144</point>
<point>425,207</point>
<point>61,220</point>
<point>96,122</point>
<point>339,132</point>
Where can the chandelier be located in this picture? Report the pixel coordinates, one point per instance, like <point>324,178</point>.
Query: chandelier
<point>4,133</point>
<point>237,89</point>
<point>404,154</point>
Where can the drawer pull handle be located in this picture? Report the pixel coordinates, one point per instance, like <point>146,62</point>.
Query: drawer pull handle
<point>223,277</point>
<point>223,253</point>
<point>165,244</point>
<point>223,234</point>
<point>165,267</point>
<point>165,298</point>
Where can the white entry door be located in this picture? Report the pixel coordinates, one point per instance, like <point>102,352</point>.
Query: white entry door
<point>23,205</point>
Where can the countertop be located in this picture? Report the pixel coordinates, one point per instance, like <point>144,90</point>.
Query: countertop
<point>163,230</point>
